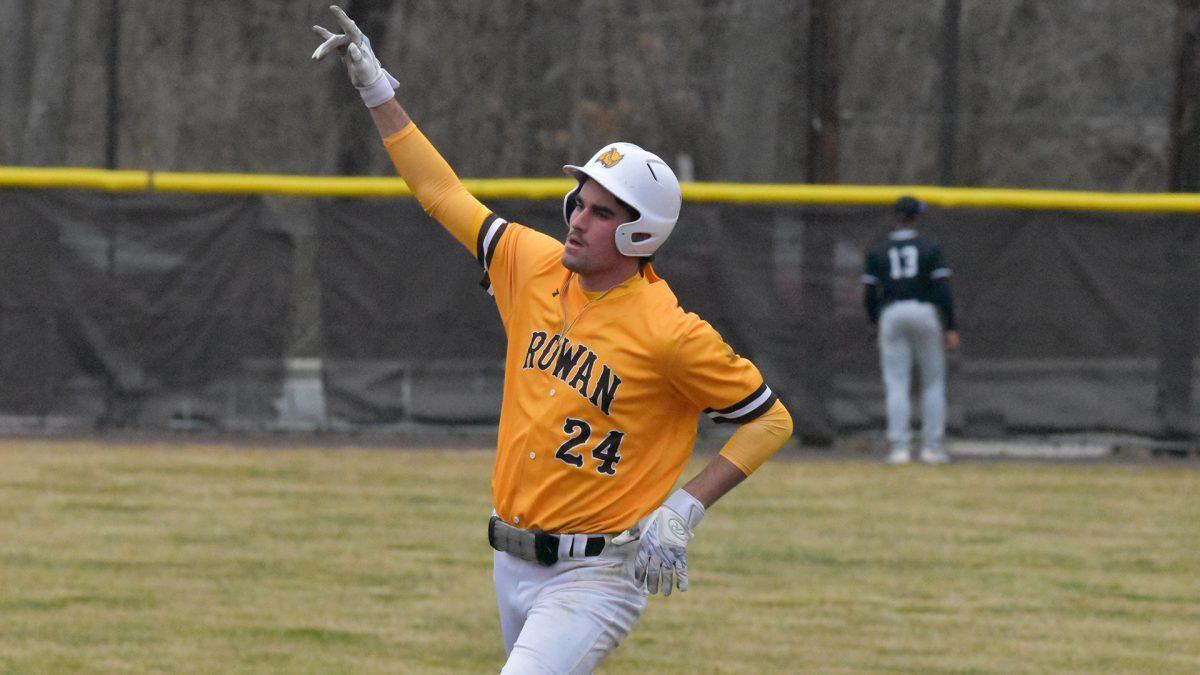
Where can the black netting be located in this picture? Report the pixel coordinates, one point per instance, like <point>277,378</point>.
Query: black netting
<point>141,310</point>
<point>1070,321</point>
<point>163,309</point>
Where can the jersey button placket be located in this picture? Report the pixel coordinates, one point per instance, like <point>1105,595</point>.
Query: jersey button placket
<point>544,430</point>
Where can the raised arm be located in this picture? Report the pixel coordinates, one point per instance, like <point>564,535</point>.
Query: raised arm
<point>431,179</point>
<point>390,118</point>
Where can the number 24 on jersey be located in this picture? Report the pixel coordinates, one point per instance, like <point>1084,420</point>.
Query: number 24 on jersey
<point>607,452</point>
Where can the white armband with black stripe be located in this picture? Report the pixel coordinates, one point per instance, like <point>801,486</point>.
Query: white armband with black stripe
<point>485,246</point>
<point>746,409</point>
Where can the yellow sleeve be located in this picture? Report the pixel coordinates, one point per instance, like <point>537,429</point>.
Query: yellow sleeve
<point>755,441</point>
<point>706,371</point>
<point>436,186</point>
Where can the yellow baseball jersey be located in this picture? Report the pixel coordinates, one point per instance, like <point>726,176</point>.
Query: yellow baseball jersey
<point>602,392</point>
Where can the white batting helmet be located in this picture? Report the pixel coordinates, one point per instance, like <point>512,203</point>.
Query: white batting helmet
<point>641,180</point>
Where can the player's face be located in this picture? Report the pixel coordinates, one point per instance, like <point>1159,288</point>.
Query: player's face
<point>591,244</point>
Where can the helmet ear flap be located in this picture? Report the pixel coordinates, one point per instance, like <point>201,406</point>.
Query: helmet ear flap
<point>569,202</point>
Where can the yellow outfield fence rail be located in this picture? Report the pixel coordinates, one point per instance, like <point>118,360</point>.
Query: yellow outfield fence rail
<point>83,179</point>
<point>554,188</point>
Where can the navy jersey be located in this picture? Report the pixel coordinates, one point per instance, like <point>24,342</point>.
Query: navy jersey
<point>907,266</point>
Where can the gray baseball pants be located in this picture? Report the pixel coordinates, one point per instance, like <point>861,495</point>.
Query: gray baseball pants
<point>910,330</point>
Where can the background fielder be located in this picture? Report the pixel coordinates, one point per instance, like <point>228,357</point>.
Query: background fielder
<point>905,288</point>
<point>605,378</point>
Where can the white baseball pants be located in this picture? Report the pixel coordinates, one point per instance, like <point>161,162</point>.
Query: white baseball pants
<point>566,618</point>
<point>911,330</point>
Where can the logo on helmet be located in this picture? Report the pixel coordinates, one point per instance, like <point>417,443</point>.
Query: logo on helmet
<point>610,158</point>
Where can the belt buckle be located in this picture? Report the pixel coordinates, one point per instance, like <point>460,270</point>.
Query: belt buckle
<point>545,547</point>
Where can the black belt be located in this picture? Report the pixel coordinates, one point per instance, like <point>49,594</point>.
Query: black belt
<point>539,547</point>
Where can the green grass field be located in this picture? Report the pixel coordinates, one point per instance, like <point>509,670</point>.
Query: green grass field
<point>157,558</point>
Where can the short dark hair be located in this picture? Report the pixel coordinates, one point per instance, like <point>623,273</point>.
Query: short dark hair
<point>908,208</point>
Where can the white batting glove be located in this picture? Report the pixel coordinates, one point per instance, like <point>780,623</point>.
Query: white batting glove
<point>664,536</point>
<point>374,84</point>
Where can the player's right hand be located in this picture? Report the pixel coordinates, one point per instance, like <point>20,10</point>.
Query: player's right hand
<point>374,84</point>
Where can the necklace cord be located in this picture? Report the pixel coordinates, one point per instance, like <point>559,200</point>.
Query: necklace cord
<point>563,304</point>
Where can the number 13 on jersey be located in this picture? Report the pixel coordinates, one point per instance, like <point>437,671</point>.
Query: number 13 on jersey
<point>904,261</point>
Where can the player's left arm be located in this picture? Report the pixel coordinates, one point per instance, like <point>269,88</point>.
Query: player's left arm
<point>665,533</point>
<point>704,369</point>
<point>752,444</point>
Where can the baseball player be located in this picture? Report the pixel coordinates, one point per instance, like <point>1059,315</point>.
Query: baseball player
<point>605,379</point>
<point>906,291</point>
